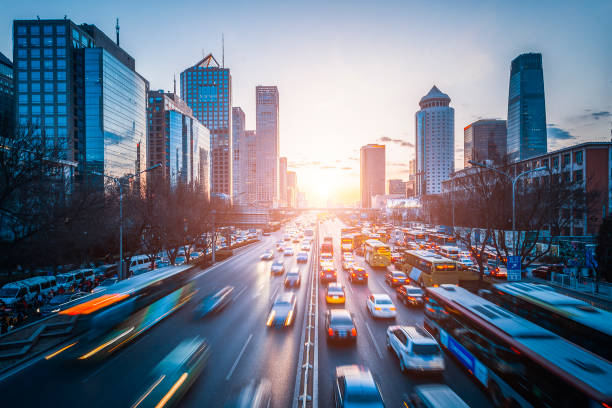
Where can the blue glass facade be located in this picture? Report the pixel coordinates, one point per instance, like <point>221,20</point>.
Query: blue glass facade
<point>174,146</point>
<point>526,126</point>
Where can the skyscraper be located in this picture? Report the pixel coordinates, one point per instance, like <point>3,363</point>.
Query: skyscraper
<point>435,142</point>
<point>484,140</point>
<point>266,99</point>
<point>372,174</point>
<point>7,96</point>
<point>526,136</point>
<point>238,123</point>
<point>207,89</point>
<point>396,187</point>
<point>82,89</point>
<point>292,189</point>
<point>249,144</point>
<point>282,184</point>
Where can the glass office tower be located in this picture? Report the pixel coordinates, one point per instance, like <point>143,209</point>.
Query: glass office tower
<point>526,135</point>
<point>7,96</point>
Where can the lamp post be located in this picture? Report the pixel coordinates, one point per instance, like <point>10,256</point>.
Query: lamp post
<point>118,183</point>
<point>514,180</point>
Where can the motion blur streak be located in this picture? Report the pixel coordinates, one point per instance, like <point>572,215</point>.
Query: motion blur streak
<point>94,304</point>
<point>170,393</point>
<point>102,346</point>
<point>50,356</point>
<point>146,394</point>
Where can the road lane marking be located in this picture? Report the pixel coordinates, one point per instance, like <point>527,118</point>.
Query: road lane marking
<point>238,358</point>
<point>374,341</point>
<point>240,293</point>
<point>274,294</point>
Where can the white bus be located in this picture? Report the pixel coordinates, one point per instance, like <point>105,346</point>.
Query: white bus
<point>449,251</point>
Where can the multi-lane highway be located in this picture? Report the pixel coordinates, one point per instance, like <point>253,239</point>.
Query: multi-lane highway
<point>243,348</point>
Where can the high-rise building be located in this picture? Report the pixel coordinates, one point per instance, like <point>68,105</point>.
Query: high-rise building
<point>80,88</point>
<point>435,142</point>
<point>396,187</point>
<point>207,89</point>
<point>292,189</point>
<point>238,124</point>
<point>372,174</point>
<point>7,96</point>
<point>282,184</point>
<point>526,136</point>
<point>178,141</point>
<point>484,140</point>
<point>266,99</point>
<point>249,144</point>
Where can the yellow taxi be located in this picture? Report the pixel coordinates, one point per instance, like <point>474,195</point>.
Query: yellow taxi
<point>335,293</point>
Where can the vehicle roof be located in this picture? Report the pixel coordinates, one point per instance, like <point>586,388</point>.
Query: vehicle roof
<point>285,297</point>
<point>356,376</point>
<point>339,312</point>
<point>180,354</point>
<point>334,286</point>
<point>378,296</point>
<point>428,255</point>
<point>450,247</point>
<point>594,372</point>
<point>412,287</point>
<point>440,395</point>
<point>569,307</point>
<point>416,334</point>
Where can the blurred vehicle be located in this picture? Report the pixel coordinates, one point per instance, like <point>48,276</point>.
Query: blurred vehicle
<point>283,310</point>
<point>465,261</point>
<point>105,284</point>
<point>293,278</point>
<point>59,302</point>
<point>257,394</point>
<point>266,233</point>
<point>500,272</point>
<point>354,386</point>
<point>410,295</point>
<point>302,257</point>
<point>328,274</point>
<point>179,260</point>
<point>280,248</point>
<point>347,256</point>
<point>358,274</point>
<point>160,263</point>
<point>288,251</point>
<point>296,240</point>
<point>305,247</point>
<point>194,255</point>
<point>347,265</point>
<point>395,257</point>
<point>394,279</point>
<point>339,325</point>
<point>545,271</point>
<point>416,349</point>
<point>380,305</point>
<point>277,267</point>
<point>175,374</point>
<point>214,302</point>
<point>335,293</point>
<point>267,256</point>
<point>433,396</point>
<point>280,243</point>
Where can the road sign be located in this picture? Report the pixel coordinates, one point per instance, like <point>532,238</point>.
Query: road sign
<point>514,268</point>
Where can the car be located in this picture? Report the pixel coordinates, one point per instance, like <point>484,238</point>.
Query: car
<point>340,326</point>
<point>326,263</point>
<point>296,240</point>
<point>282,312</point>
<point>214,302</point>
<point>416,349</point>
<point>195,255</point>
<point>288,251</point>
<point>358,274</point>
<point>499,271</point>
<point>174,375</point>
<point>161,263</point>
<point>266,233</point>
<point>328,274</point>
<point>267,256</point>
<point>347,265</point>
<point>395,278</point>
<point>179,260</point>
<point>347,256</point>
<point>466,262</point>
<point>293,278</point>
<point>410,295</point>
<point>380,305</point>
<point>280,248</point>
<point>395,257</point>
<point>335,293</point>
<point>105,284</point>
<point>354,386</point>
<point>277,267</point>
<point>302,257</point>
<point>433,395</point>
<point>59,302</point>
<point>305,247</point>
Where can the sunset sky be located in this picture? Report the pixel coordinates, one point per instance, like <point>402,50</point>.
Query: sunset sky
<point>352,72</point>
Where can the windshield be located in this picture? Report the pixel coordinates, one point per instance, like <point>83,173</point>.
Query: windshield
<point>281,303</point>
<point>414,291</point>
<point>383,301</point>
<point>8,293</point>
<point>58,300</point>
<point>335,290</point>
<point>427,349</point>
<point>292,274</point>
<point>108,282</point>
<point>341,320</point>
<point>277,263</point>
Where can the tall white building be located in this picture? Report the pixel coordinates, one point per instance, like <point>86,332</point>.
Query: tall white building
<point>435,142</point>
<point>282,184</point>
<point>249,167</point>
<point>267,130</point>
<point>238,123</point>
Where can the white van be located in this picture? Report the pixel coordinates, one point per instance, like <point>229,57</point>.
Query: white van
<point>27,288</point>
<point>449,251</point>
<point>74,278</point>
<point>140,264</point>
<point>46,284</point>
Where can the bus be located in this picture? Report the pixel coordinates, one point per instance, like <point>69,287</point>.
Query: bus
<point>449,251</point>
<point>415,236</point>
<point>573,319</point>
<point>519,363</point>
<point>441,239</point>
<point>346,243</point>
<point>377,254</point>
<point>327,248</point>
<point>426,268</point>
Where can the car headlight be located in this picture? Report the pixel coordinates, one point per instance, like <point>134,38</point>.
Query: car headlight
<point>270,318</point>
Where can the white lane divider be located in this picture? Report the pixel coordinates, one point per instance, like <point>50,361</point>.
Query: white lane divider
<point>374,341</point>
<point>238,358</point>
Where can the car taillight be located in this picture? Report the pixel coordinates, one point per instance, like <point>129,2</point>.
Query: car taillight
<point>353,332</point>
<point>322,273</point>
<point>334,273</point>
<point>392,308</point>
<point>353,275</point>
<point>366,275</point>
<point>330,331</point>
<point>394,280</point>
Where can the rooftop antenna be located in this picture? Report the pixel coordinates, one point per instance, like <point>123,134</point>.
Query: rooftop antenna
<point>222,51</point>
<point>117,29</point>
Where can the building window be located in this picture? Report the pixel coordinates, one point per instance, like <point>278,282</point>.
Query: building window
<point>60,29</point>
<point>48,75</point>
<point>578,158</point>
<point>21,30</point>
<point>578,176</point>
<point>566,159</point>
<point>48,53</point>
<point>35,64</point>
<point>61,41</point>
<point>48,30</point>
<point>35,42</point>
<point>48,98</point>
<point>21,42</point>
<point>35,52</point>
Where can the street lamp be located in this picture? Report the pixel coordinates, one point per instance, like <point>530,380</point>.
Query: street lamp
<point>118,183</point>
<point>514,180</point>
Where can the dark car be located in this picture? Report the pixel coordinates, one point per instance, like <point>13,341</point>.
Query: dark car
<point>354,386</point>
<point>328,274</point>
<point>215,302</point>
<point>292,278</point>
<point>59,302</point>
<point>340,326</point>
<point>394,279</point>
<point>277,267</point>
<point>358,274</point>
<point>282,312</point>
<point>410,295</point>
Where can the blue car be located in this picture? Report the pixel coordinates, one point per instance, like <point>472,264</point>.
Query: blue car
<point>302,257</point>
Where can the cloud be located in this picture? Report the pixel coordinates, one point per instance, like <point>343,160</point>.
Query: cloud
<point>601,114</point>
<point>402,143</point>
<point>557,133</point>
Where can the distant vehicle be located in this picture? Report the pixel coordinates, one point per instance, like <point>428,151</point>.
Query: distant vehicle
<point>266,233</point>
<point>426,268</point>
<point>328,274</point>
<point>394,279</point>
<point>380,305</point>
<point>140,264</point>
<point>305,247</point>
<point>340,326</point>
<point>280,248</point>
<point>410,295</point>
<point>358,274</point>
<point>347,265</point>
<point>433,396</point>
<point>395,257</point>
<point>416,349</point>
<point>335,293</point>
<point>174,375</point>
<point>500,272</point>
<point>449,251</point>
<point>215,302</point>
<point>302,257</point>
<point>179,260</point>
<point>59,302</point>
<point>347,256</point>
<point>288,251</point>
<point>283,310</point>
<point>161,263</point>
<point>27,288</point>
<point>267,256</point>
<point>277,267</point>
<point>354,386</point>
<point>293,278</point>
<point>105,284</point>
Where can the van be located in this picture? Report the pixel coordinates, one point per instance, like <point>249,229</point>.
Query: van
<point>74,278</point>
<point>12,292</point>
<point>46,284</point>
<point>139,264</point>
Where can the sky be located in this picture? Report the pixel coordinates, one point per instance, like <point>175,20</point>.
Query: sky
<point>351,73</point>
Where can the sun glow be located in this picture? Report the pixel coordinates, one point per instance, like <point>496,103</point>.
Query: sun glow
<point>328,185</point>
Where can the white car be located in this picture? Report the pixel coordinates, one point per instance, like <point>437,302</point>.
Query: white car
<point>380,305</point>
<point>288,251</point>
<point>416,349</point>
